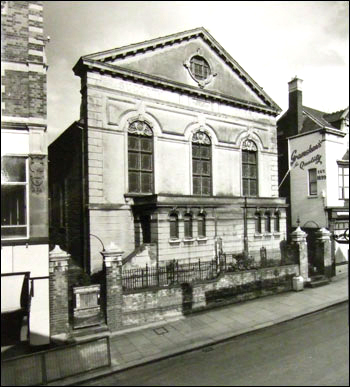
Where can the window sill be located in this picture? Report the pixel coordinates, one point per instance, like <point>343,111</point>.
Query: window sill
<point>268,234</point>
<point>174,241</point>
<point>312,197</point>
<point>277,234</point>
<point>202,239</point>
<point>188,240</point>
<point>258,236</point>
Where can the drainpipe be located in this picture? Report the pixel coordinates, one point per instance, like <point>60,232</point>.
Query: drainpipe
<point>245,238</point>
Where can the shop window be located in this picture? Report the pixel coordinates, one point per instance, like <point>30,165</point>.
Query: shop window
<point>188,226</point>
<point>312,181</point>
<point>249,169</point>
<point>199,67</point>
<point>140,157</point>
<point>201,226</point>
<point>174,226</point>
<point>277,222</point>
<point>343,181</point>
<point>201,164</point>
<point>14,197</point>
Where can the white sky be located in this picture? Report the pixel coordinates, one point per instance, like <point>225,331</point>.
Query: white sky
<point>272,40</point>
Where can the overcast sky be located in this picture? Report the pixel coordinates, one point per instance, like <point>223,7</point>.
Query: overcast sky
<point>273,41</point>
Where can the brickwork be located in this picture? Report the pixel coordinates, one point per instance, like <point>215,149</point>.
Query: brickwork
<point>66,152</point>
<point>114,297</point>
<point>16,95</point>
<point>58,288</point>
<point>153,305</point>
<point>24,92</point>
<point>113,286</point>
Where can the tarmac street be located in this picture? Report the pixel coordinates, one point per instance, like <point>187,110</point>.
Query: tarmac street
<point>312,350</point>
<point>134,347</point>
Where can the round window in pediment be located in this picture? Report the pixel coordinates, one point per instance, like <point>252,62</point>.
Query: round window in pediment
<point>199,68</point>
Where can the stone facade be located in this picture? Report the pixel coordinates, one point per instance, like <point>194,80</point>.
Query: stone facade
<point>24,220</point>
<point>152,84</point>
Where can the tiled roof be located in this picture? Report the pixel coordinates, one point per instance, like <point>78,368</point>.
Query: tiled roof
<point>314,119</point>
<point>336,116</point>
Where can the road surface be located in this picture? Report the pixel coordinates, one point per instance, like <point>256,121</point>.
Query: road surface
<point>308,351</point>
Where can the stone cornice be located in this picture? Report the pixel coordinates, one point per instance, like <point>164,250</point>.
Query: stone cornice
<point>103,68</point>
<point>207,201</point>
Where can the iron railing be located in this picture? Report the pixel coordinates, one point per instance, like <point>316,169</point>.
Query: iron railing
<point>173,272</point>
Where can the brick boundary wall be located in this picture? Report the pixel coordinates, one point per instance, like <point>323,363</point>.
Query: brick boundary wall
<point>151,305</point>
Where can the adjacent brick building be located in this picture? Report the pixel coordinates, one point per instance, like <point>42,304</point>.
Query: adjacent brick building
<point>24,177</point>
<point>174,157</point>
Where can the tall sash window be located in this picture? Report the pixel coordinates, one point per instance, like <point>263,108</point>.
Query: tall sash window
<point>140,157</point>
<point>201,164</point>
<point>249,169</point>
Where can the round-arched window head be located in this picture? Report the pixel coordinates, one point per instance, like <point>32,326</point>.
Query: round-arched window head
<point>199,68</point>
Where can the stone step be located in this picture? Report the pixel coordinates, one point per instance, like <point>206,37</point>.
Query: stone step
<point>90,332</point>
<point>319,280</point>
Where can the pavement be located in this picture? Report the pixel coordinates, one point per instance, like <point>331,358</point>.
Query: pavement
<point>134,347</point>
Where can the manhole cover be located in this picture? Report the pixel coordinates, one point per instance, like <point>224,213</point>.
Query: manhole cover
<point>160,331</point>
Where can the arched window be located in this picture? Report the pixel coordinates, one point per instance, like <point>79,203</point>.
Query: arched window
<point>201,164</point>
<point>201,225</point>
<point>277,222</point>
<point>267,222</point>
<point>188,225</point>
<point>249,169</point>
<point>199,67</point>
<point>174,225</point>
<point>140,157</point>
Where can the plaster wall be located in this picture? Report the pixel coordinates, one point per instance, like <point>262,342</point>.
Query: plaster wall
<point>309,208</point>
<point>335,148</point>
<point>14,142</point>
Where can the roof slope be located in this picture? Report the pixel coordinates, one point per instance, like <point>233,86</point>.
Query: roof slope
<point>315,119</point>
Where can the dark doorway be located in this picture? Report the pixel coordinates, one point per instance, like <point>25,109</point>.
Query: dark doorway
<point>146,228</point>
<point>316,265</point>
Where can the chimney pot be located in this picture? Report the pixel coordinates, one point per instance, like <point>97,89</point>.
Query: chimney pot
<point>295,84</point>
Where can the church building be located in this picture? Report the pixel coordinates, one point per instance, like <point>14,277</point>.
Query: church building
<point>174,157</point>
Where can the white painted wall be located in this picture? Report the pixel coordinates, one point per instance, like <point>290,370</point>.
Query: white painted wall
<point>309,208</point>
<point>32,258</point>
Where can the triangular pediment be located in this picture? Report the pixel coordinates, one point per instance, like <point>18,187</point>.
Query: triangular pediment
<point>171,59</point>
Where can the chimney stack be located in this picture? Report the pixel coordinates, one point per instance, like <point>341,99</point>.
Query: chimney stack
<point>295,110</point>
